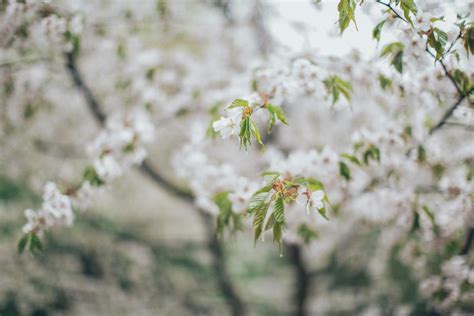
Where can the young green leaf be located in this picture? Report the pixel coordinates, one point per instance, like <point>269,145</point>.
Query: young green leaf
<point>344,170</point>
<point>322,212</point>
<point>385,82</point>
<point>336,86</point>
<point>408,7</point>
<point>277,234</point>
<point>35,243</point>
<point>278,209</point>
<point>91,175</point>
<point>255,132</point>
<point>346,10</point>
<point>437,39</point>
<point>395,50</point>
<point>258,219</point>
<point>421,154</point>
<point>377,31</point>
<point>469,40</point>
<point>275,112</point>
<point>226,217</point>
<point>256,201</point>
<point>351,158</point>
<point>307,233</point>
<point>237,103</point>
<point>245,133</point>
<point>23,243</point>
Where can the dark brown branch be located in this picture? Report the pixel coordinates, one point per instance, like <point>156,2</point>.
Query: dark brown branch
<point>447,114</point>
<point>92,103</point>
<point>468,241</point>
<point>226,286</point>
<point>215,247</point>
<point>303,279</point>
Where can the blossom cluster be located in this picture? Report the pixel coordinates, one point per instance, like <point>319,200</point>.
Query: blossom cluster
<point>117,148</point>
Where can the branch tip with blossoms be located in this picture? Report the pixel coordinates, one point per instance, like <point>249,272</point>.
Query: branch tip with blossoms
<point>267,204</point>
<point>239,121</point>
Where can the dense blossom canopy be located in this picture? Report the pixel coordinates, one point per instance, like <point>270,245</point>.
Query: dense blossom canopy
<point>306,148</point>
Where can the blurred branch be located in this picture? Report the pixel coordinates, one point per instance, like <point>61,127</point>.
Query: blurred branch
<point>224,6</point>
<point>93,105</point>
<point>303,279</point>
<point>468,241</point>
<point>231,296</point>
<point>461,125</point>
<point>57,149</point>
<point>263,37</point>
<point>448,113</point>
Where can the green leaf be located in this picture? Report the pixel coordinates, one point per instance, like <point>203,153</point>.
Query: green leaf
<point>271,221</point>
<point>226,217</point>
<point>322,212</point>
<point>91,175</point>
<point>277,234</point>
<point>421,154</point>
<point>270,173</point>
<point>408,6</point>
<point>258,221</point>
<point>469,40</point>
<point>307,233</point>
<point>255,132</point>
<point>311,183</point>
<point>429,213</point>
<point>395,50</point>
<point>256,201</point>
<point>245,133</point>
<point>23,243</point>
<point>75,40</point>
<point>344,170</point>
<point>346,10</point>
<point>351,158</point>
<point>336,86</point>
<point>278,209</point>
<point>385,82</point>
<point>462,80</point>
<point>371,153</point>
<point>377,31</point>
<point>238,103</point>
<point>416,222</point>
<point>271,120</point>
<point>279,113</point>
<point>35,243</point>
<point>275,112</point>
<point>437,39</point>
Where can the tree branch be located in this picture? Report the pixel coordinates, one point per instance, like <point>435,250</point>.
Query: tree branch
<point>448,114</point>
<point>215,247</point>
<point>470,231</point>
<point>468,241</point>
<point>303,279</point>
<point>389,6</point>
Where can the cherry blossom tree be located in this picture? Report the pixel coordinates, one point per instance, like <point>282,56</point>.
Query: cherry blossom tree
<point>304,149</point>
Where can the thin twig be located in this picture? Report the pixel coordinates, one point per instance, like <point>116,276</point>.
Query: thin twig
<point>225,283</point>
<point>448,114</point>
<point>388,5</point>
